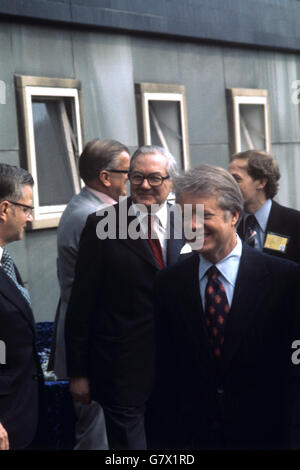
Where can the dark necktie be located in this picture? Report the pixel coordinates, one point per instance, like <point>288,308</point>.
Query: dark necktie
<point>8,267</point>
<point>216,310</point>
<point>249,230</point>
<point>154,242</point>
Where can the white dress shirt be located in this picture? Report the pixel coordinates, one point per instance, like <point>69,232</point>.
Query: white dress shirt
<point>160,225</point>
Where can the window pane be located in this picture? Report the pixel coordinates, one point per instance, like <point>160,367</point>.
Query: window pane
<point>252,127</point>
<point>53,168</point>
<point>165,119</point>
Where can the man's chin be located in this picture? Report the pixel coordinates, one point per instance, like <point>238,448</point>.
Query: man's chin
<point>196,244</point>
<point>145,200</point>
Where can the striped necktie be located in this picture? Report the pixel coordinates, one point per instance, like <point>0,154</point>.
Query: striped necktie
<point>250,233</point>
<point>8,267</point>
<point>154,242</point>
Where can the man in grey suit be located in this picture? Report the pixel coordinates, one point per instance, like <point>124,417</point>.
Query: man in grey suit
<point>103,166</point>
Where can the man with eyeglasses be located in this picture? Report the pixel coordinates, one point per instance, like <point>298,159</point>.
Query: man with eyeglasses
<point>20,372</point>
<point>112,344</point>
<point>103,166</point>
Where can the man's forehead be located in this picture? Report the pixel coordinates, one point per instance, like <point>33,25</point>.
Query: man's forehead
<point>156,159</point>
<point>240,163</point>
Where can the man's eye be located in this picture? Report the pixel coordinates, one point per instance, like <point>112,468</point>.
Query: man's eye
<point>155,178</point>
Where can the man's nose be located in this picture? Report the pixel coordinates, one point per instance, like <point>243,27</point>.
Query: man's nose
<point>145,184</point>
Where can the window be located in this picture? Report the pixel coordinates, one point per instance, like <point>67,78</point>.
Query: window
<point>52,142</point>
<point>162,120</point>
<point>248,118</point>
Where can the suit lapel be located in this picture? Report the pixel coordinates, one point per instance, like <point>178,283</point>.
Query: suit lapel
<point>194,315</point>
<point>9,290</point>
<point>140,246</point>
<point>174,245</point>
<point>249,290</point>
<point>274,217</point>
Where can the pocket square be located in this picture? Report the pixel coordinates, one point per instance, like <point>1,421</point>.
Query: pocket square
<point>186,249</point>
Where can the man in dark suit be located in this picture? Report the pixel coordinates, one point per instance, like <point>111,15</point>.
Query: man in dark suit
<point>225,321</point>
<point>20,372</point>
<point>103,166</point>
<point>266,225</point>
<point>110,348</point>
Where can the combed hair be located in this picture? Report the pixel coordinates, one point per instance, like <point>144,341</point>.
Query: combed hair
<point>262,165</point>
<point>99,155</point>
<point>12,181</point>
<point>153,150</point>
<point>208,181</point>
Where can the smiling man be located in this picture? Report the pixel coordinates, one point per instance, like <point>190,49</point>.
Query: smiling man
<point>225,320</point>
<point>20,375</point>
<point>111,347</point>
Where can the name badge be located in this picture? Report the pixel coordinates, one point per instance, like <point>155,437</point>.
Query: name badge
<point>276,242</point>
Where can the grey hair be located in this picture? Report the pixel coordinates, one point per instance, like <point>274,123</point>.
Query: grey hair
<point>209,180</point>
<point>153,150</point>
<point>12,182</point>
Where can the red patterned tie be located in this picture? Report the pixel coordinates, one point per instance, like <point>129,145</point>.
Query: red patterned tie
<point>216,310</point>
<point>154,242</point>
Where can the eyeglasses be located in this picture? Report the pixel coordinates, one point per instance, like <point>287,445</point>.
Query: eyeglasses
<point>118,171</point>
<point>153,179</point>
<point>29,209</point>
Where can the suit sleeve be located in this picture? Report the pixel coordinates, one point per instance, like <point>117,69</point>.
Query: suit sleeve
<point>82,300</point>
<point>293,389</point>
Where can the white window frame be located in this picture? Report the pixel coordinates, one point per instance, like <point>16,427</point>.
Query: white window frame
<point>39,87</point>
<point>236,97</point>
<point>146,92</point>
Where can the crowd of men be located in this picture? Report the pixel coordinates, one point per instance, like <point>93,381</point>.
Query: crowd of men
<point>175,330</point>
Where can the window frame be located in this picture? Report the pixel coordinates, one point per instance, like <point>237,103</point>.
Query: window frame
<point>234,98</point>
<point>146,92</point>
<point>27,88</point>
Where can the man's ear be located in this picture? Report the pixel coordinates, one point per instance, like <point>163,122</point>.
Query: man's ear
<point>235,218</point>
<point>262,183</point>
<point>104,178</point>
<point>3,210</point>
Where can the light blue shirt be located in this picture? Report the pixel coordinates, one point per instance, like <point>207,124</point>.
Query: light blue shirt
<point>228,269</point>
<point>262,216</point>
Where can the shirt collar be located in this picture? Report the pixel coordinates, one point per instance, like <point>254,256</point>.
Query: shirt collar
<point>102,196</point>
<point>161,213</point>
<point>228,266</point>
<point>262,214</point>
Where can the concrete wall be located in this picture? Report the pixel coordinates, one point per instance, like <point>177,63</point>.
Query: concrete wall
<point>108,64</point>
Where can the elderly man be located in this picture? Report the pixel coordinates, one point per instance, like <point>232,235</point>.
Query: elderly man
<point>20,372</point>
<point>103,166</point>
<point>110,348</point>
<point>266,225</point>
<point>225,322</point>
